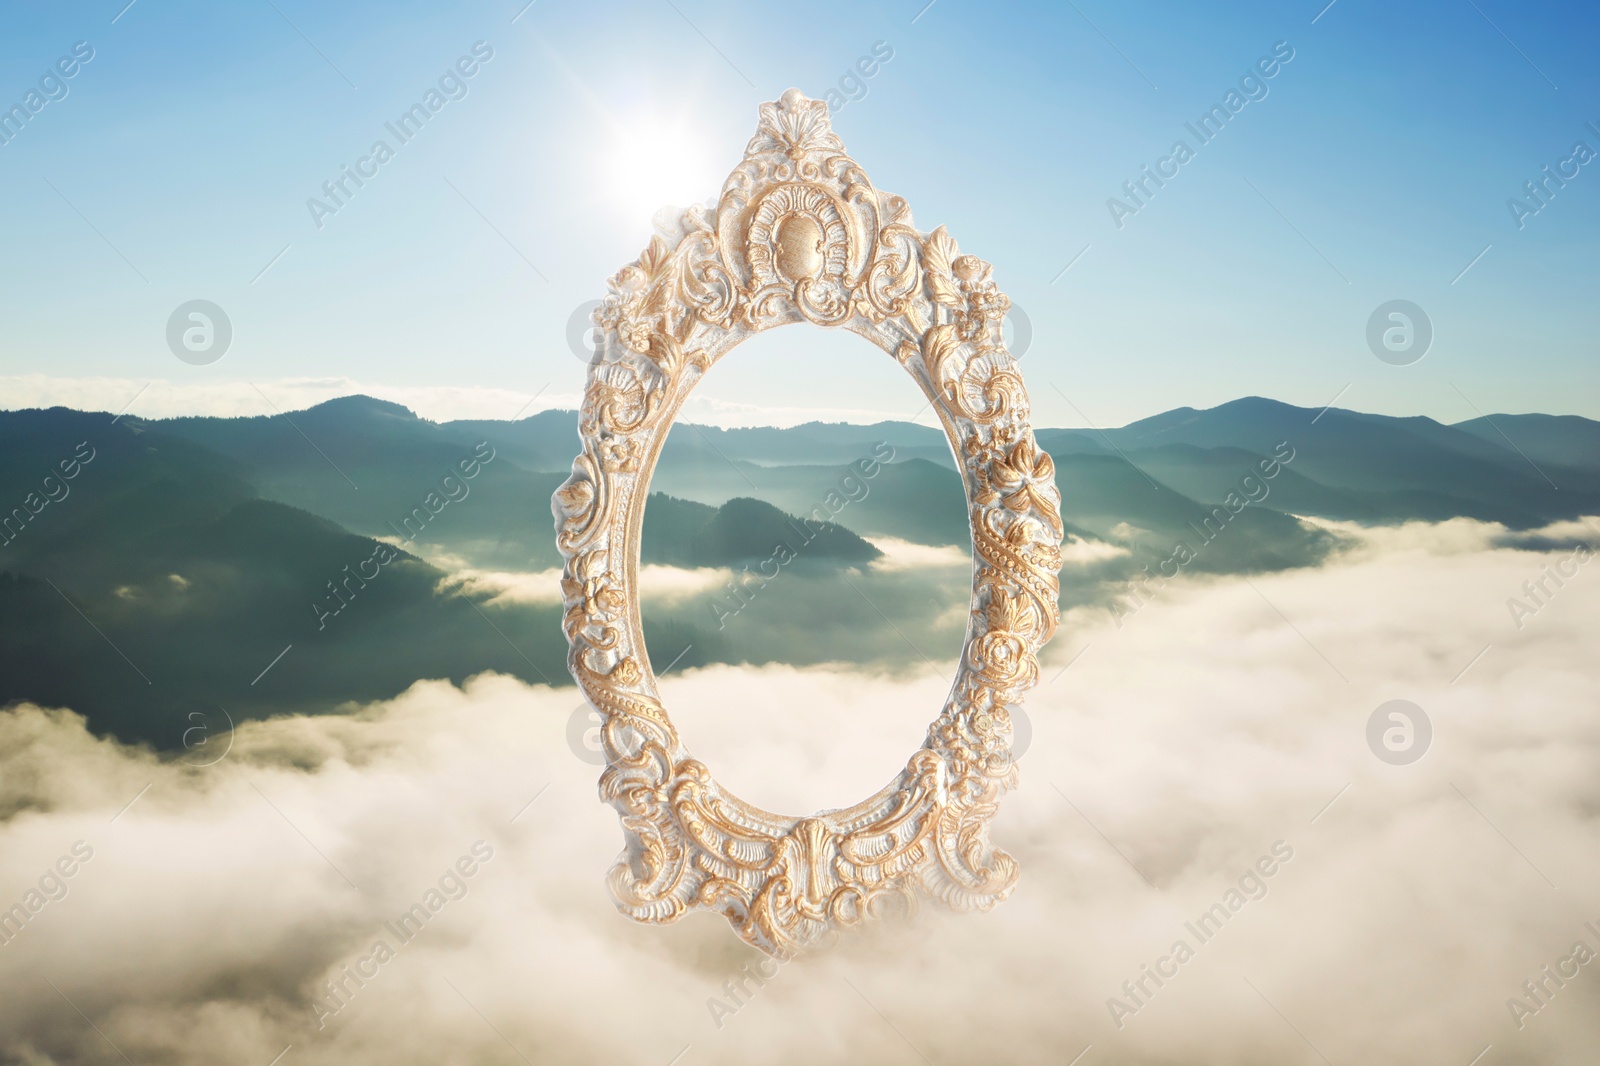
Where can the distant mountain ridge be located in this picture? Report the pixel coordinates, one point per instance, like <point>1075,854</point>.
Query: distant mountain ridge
<point>163,559</point>
<point>190,552</point>
<point>356,460</point>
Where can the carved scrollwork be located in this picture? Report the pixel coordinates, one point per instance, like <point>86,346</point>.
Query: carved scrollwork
<point>800,234</point>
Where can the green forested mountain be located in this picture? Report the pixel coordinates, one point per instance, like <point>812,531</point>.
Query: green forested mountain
<point>155,570</point>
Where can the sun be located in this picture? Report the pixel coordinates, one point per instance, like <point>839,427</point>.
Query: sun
<point>657,162</point>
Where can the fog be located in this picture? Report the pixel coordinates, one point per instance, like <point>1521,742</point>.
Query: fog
<point>1170,755</point>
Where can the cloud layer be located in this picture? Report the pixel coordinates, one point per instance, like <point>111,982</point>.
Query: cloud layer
<point>1168,756</point>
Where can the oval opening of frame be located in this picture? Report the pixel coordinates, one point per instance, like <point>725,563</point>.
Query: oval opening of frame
<point>800,235</point>
<point>834,653</point>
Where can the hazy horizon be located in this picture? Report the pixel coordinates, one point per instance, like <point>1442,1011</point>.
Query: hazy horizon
<point>144,400</point>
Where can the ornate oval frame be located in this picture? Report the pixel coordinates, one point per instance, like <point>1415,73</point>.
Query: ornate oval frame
<point>799,234</point>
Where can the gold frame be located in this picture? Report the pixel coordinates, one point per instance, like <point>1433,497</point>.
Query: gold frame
<point>799,234</point>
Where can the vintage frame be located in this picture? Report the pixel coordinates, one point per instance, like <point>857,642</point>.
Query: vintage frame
<point>799,234</point>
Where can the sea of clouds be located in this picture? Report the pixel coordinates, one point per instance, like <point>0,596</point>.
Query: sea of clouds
<point>1167,758</point>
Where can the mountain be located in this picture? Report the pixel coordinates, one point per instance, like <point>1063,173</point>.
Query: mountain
<point>161,584</point>
<point>741,531</point>
<point>811,443</point>
<point>1405,467</point>
<point>155,570</point>
<point>358,461</point>
<point>157,580</point>
<point>547,441</point>
<point>1553,440</point>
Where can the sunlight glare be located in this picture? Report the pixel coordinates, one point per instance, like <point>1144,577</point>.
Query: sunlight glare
<point>657,162</point>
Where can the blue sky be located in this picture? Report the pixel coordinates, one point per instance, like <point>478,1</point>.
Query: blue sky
<point>1376,167</point>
